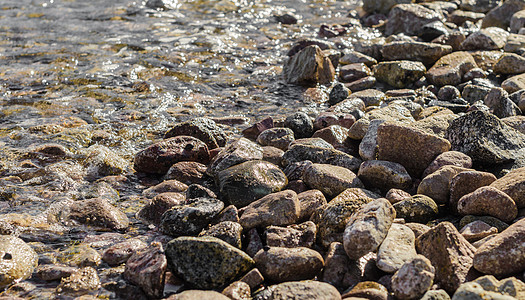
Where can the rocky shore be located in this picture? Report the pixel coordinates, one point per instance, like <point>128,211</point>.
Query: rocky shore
<point>410,185</point>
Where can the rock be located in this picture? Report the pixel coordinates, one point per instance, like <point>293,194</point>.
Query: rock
<point>338,93</point>
<point>121,252</point>
<point>18,260</point>
<point>313,142</point>
<point>514,83</point>
<point>203,129</point>
<point>477,230</point>
<point>513,184</point>
<point>503,255</point>
<point>167,186</point>
<point>488,201</point>
<point>159,157</point>
<point>450,69</point>
<point>335,135</point>
<point>413,279</point>
<point>190,218</point>
<point>436,295</point>
<point>238,290</point>
<point>500,225</point>
<point>253,278</point>
<point>279,137</point>
<point>510,63</point>
<point>81,255</point>
<point>80,282</point>
<point>305,290</point>
<point>418,208</point>
<point>99,213</point>
<point>472,290</point>
<point>454,158</point>
<point>331,180</point>
<point>437,184</point>
<point>256,129</point>
<point>382,7</point>
<point>397,248</point>
<point>397,195</point>
<point>54,272</point>
<point>146,268</point>
<point>187,172</point>
<point>459,17</point>
<point>198,191</point>
<point>198,294</point>
<point>509,286</point>
<point>497,144</point>
<point>253,242</point>
<point>101,161</point>
<point>229,213</point>
<point>517,21</point>
<point>417,228</point>
<point>337,265</point>
<point>499,103</point>
<point>367,290</point>
<point>412,148</point>
<point>234,153</point>
<point>354,57</point>
<point>427,53</point>
<point>309,67</point>
<point>467,182</point>
<point>473,93</point>
<point>353,72</point>
<point>368,145</point>
<point>449,252</point>
<point>400,73</point>
<point>309,201</point>
<point>228,231</point>
<point>516,122</point>
<point>370,97</point>
<point>206,262</point>
<point>300,235</point>
<point>384,175</point>
<point>280,208</point>
<point>481,6</point>
<point>301,124</point>
<point>515,43</point>
<point>409,18</point>
<point>319,155</point>
<point>500,16</point>
<point>491,38</point>
<point>367,228</point>
<point>244,183</point>
<point>273,155</point>
<point>289,264</point>
<point>152,212</point>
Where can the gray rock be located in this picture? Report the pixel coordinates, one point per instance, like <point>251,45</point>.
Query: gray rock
<point>509,286</point>
<point>418,208</point>
<point>319,155</point>
<point>280,208</point>
<point>517,21</point>
<point>514,83</point>
<point>400,73</point>
<point>81,255</point>
<point>499,103</point>
<point>234,153</point>
<point>279,137</point>
<point>147,269</point>
<point>427,53</point>
<point>384,175</point>
<point>289,264</point>
<point>18,260</point>
<point>500,16</point>
<point>450,69</point>
<point>203,129</point>
<point>101,161</point>
<point>305,290</point>
<point>206,262</point>
<point>474,291</point>
<point>491,38</point>
<point>515,43</point>
<point>297,235</point>
<point>481,6</point>
<point>397,248</point>
<point>253,278</point>
<point>413,279</point>
<point>228,231</point>
<point>409,18</point>
<point>368,145</point>
<point>353,57</point>
<point>473,93</point>
<point>198,294</point>
<point>331,180</point>
<point>309,67</point>
<point>98,212</point>
<point>436,295</point>
<point>301,124</point>
<point>338,93</point>
<point>244,183</point>
<point>382,7</point>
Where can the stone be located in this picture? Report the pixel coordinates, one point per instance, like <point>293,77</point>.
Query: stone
<point>477,230</point>
<point>449,252</point>
<point>499,103</point>
<point>338,93</point>
<point>400,73</point>
<point>54,272</point>
<point>418,208</point>
<point>353,72</point>
<point>335,135</point>
<point>492,221</point>
<point>508,286</point>
<point>244,183</point>
<point>503,255</point>
<point>297,235</point>
<point>337,265</point>
<point>510,64</point>
<point>309,201</point>
<point>253,131</point>
<point>382,7</point>
<point>515,43</point>
<point>279,137</point>
<point>410,147</point>
<point>513,184</point>
<point>18,260</point>
<point>450,69</point>
<point>367,290</point>
<point>397,195</point>
<point>301,124</point>
<point>481,6</point>
<point>281,208</point>
<point>152,212</point>
<point>198,191</point>
<point>384,175</point>
<point>367,228</point>
<point>459,17</point>
<point>229,213</point>
<point>490,201</point>
<point>167,186</point>
<point>417,228</point>
<point>81,255</point>
<point>253,242</point>
<point>203,129</point>
<point>191,217</point>
<point>331,180</point>
<point>234,153</point>
<point>238,290</point>
<point>514,83</point>
<point>309,67</point>
<point>253,278</point>
<point>436,295</point>
<point>280,264</point>
<point>473,290</point>
<point>397,248</point>
<point>517,21</point>
<point>98,212</point>
<point>305,290</point>
<point>413,279</point>
<point>187,172</point>
<point>500,16</point>
<point>198,294</point>
<point>427,53</point>
<point>206,262</point>
<point>121,252</point>
<point>370,97</point>
<point>80,282</point>
<point>467,182</point>
<point>368,145</point>
<point>473,93</point>
<point>147,269</point>
<point>159,157</point>
<point>320,155</point>
<point>228,231</point>
<point>454,158</point>
<point>516,122</point>
<point>490,38</point>
<point>409,18</point>
<point>101,161</point>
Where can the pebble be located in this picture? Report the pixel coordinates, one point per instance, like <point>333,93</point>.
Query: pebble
<point>54,272</point>
<point>98,212</point>
<point>187,172</point>
<point>280,264</point>
<point>384,175</point>
<point>198,294</point>
<point>477,230</point>
<point>400,73</point>
<point>454,158</point>
<point>281,208</point>
<point>152,212</point>
<point>310,201</point>
<point>427,53</point>
<point>408,18</point>
<point>238,290</point>
<point>513,184</point>
<point>413,279</point>
<point>297,235</point>
<point>367,290</point>
<point>500,16</point>
<point>450,69</point>
<point>397,248</point>
<point>331,180</point>
<point>489,201</point>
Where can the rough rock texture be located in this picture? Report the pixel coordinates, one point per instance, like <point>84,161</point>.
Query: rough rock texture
<point>467,182</point>
<point>206,262</point>
<point>382,7</point>
<point>99,213</point>
<point>278,209</point>
<point>510,63</point>
<point>121,252</point>
<point>368,145</point>
<point>384,175</point>
<point>399,73</point>
<point>309,67</point>
<point>477,230</point>
<point>54,272</point>
<point>397,248</point>
<point>504,254</point>
<point>450,253</point>
<point>288,264</point>
<point>309,201</point>
<point>279,137</point>
<point>18,260</point>
<point>427,53</point>
<point>418,208</point>
<point>152,212</point>
<point>305,290</point>
<point>80,282</point>
<point>410,147</point>
<point>331,180</point>
<point>297,235</point>
<point>513,184</point>
<point>514,83</point>
<point>238,290</point>
<point>454,158</point>
<point>489,201</point>
<point>203,129</point>
<point>167,186</point>
<point>228,231</point>
<point>409,18</point>
<point>147,269</point>
<point>450,69</point>
<point>413,279</point>
<point>234,153</point>
<point>367,290</point>
<point>500,16</point>
<point>187,172</point>
<point>368,227</point>
<point>320,155</point>
<point>491,38</point>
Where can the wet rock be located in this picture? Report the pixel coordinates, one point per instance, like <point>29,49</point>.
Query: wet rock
<point>18,260</point>
<point>477,230</point>
<point>199,191</point>
<point>234,153</point>
<point>503,255</point>
<point>413,279</point>
<point>80,282</point>
<point>514,83</point>
<point>167,186</point>
<point>206,262</point>
<point>190,218</point>
<point>397,248</point>
<point>492,143</point>
<point>301,124</point>
<point>228,231</point>
<point>491,38</point>
<point>121,252</point>
<point>368,227</point>
<point>307,290</point>
<point>368,145</point>
<point>80,255</point>
<point>450,253</point>
<point>152,212</point>
<point>367,290</point>
<point>510,63</point>
<point>203,129</point>
<point>412,148</point>
<point>300,235</point>
<point>467,182</point>
<point>409,18</point>
<point>256,129</point>
<point>500,16</point>
<point>309,201</point>
<point>331,180</point>
<point>281,208</point>
<point>309,67</point>
<point>399,74</point>
<point>289,264</point>
<point>319,155</point>
<point>488,201</point>
<point>159,157</point>
<point>279,137</point>
<point>454,158</point>
<point>418,208</point>
<point>147,269</point>
<point>427,53</point>
<point>384,175</point>
<point>98,212</point>
<point>198,294</point>
<point>450,69</point>
<point>513,184</point>
<point>101,161</point>
<point>244,183</point>
<point>187,172</point>
<point>54,272</point>
<point>238,290</point>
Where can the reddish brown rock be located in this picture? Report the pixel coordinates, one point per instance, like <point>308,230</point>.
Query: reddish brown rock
<point>329,179</point>
<point>297,235</point>
<point>437,184</point>
<point>99,213</point>
<point>121,252</point>
<point>450,69</point>
<point>187,172</point>
<point>147,269</point>
<point>309,67</point>
<point>167,186</point>
<point>477,230</point>
<point>467,182</point>
<point>488,201</point>
<point>397,195</point>
<point>281,208</point>
<point>513,184</point>
<point>238,290</point>
<point>152,212</point>
<point>454,158</point>
<point>289,264</point>
<point>309,201</point>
